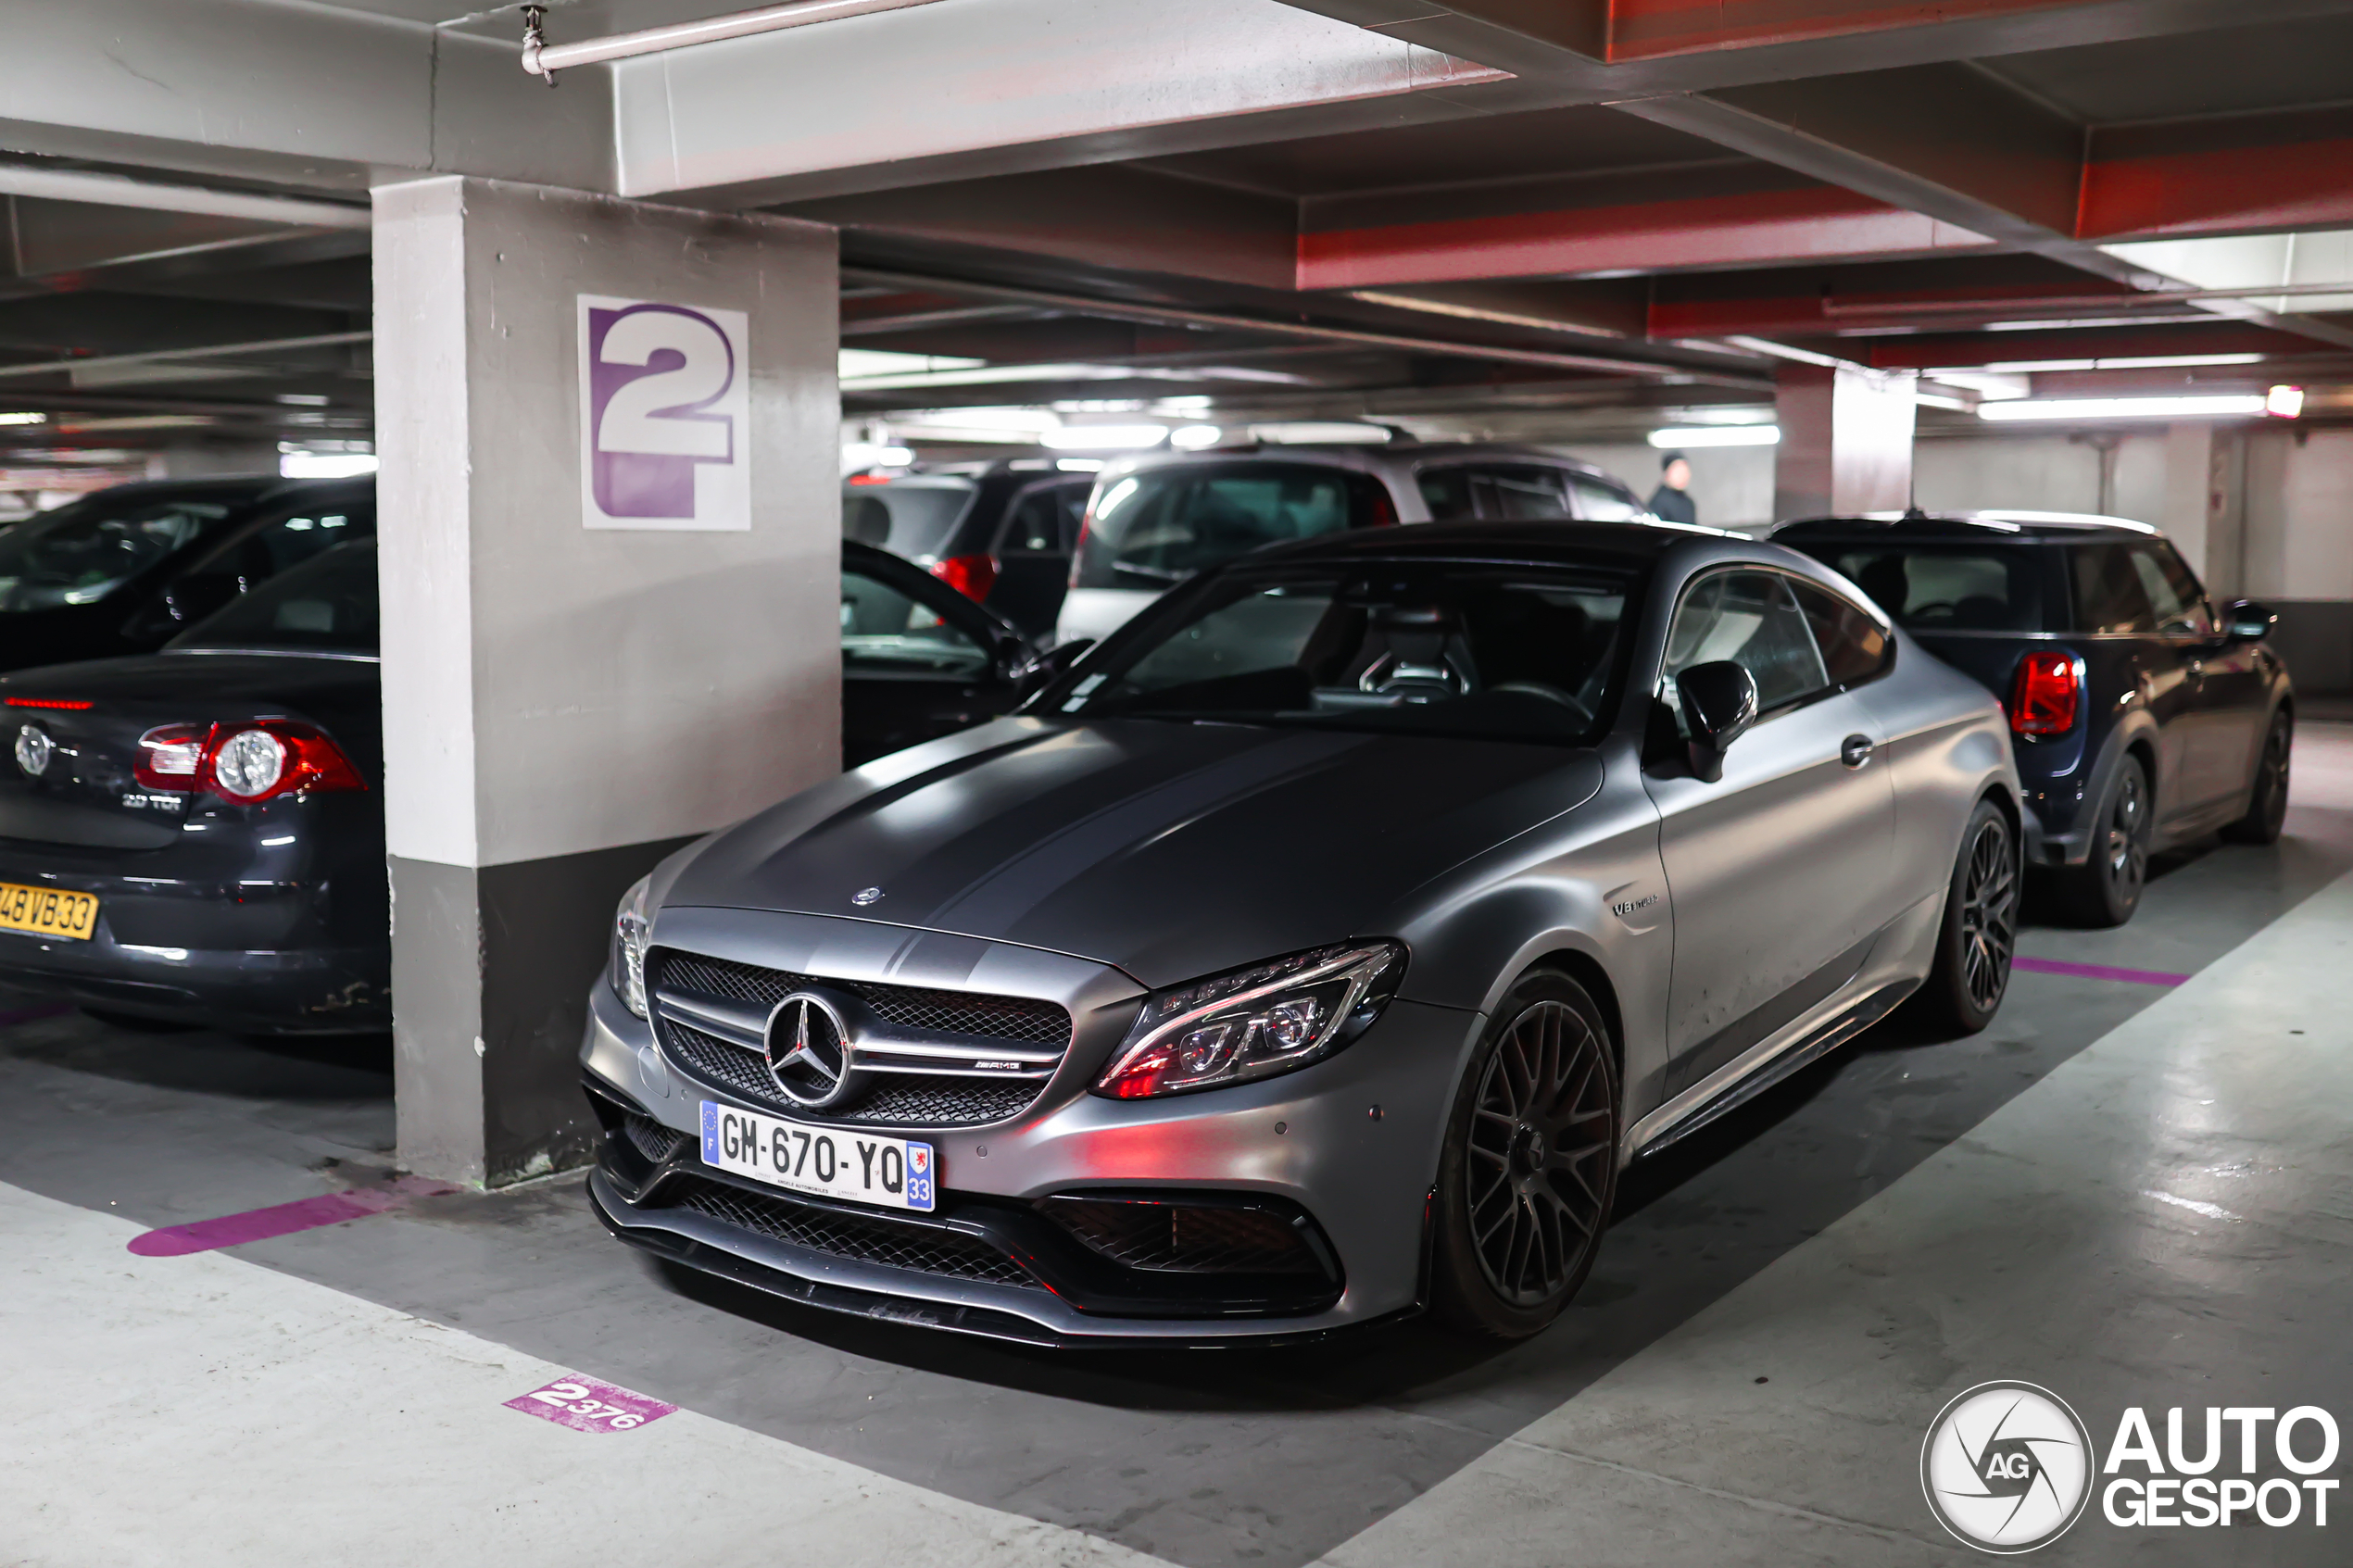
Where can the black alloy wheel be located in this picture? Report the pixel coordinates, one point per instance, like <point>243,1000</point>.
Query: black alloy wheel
<point>2267,794</point>
<point>2106,887</point>
<point>1530,1166</point>
<point>1979,940</point>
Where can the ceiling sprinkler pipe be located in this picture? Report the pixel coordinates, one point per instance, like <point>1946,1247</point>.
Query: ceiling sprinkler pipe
<point>544,59</point>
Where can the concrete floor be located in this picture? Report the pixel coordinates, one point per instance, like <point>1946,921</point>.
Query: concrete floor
<point>2132,1193</point>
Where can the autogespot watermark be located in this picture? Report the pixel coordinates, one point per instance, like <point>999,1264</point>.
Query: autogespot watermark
<point>2010,1467</point>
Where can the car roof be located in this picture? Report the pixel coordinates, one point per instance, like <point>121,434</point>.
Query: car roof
<point>1549,543</point>
<point>2042,526</point>
<point>1363,457</point>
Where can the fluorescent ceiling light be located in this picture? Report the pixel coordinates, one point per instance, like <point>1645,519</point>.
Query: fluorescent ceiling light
<point>856,363</point>
<point>1079,465</point>
<point>2284,402</point>
<point>24,418</point>
<point>857,455</point>
<point>2137,362</point>
<point>1192,438</point>
<point>1934,401</point>
<point>1311,432</point>
<point>2123,407</point>
<point>1716,435</point>
<point>1105,438</point>
<point>325,465</point>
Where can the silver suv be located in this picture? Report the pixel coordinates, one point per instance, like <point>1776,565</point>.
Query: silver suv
<point>1155,520</point>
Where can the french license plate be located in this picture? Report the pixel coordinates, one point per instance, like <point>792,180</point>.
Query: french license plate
<point>823,1161</point>
<point>48,912</point>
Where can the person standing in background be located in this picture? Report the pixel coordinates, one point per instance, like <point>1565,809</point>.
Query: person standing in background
<point>1671,502</point>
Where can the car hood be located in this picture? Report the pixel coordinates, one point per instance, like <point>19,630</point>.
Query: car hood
<point>1171,851</point>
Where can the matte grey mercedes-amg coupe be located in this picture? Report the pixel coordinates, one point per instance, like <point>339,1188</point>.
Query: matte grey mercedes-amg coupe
<point>1318,948</point>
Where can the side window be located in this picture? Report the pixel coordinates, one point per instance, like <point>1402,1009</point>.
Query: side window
<point>1043,521</point>
<point>1597,502</point>
<point>2109,595</point>
<point>1751,618</point>
<point>2180,603</point>
<point>1855,647</point>
<point>287,543</point>
<point>1496,492</point>
<point>885,632</point>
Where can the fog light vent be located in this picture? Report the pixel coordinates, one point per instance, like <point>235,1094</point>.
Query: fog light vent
<point>1172,1236</point>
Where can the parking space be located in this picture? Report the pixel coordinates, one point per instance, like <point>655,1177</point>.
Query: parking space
<point>1812,1239</point>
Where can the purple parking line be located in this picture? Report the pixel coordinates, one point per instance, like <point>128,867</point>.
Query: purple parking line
<point>2099,972</point>
<point>281,1218</point>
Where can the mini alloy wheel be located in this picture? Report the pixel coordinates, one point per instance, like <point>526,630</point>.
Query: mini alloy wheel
<point>2106,887</point>
<point>2267,794</point>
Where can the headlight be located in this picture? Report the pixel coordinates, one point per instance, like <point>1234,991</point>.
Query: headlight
<point>1254,1023</point>
<point>629,925</point>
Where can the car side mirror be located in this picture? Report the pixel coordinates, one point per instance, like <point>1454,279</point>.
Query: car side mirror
<point>1720,704</point>
<point>1048,668</point>
<point>2246,622</point>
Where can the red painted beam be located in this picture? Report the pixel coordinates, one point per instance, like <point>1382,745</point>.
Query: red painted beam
<point>1751,228</point>
<point>2291,171</point>
<point>1648,29</point>
<point>1764,316</point>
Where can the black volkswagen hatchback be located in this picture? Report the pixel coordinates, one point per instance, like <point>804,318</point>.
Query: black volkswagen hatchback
<point>2142,716</point>
<point>125,569</point>
<point>196,835</point>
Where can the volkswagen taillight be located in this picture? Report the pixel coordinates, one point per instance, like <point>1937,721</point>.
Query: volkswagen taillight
<point>2046,695</point>
<point>247,763</point>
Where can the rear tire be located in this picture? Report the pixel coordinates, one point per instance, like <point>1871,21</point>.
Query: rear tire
<point>1529,1168</point>
<point>2267,796</point>
<point>2106,889</point>
<point>1979,938</point>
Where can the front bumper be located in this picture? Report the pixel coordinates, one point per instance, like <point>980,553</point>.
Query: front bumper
<point>1349,1147</point>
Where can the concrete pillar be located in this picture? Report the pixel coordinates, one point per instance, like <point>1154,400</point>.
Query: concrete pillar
<point>1846,440</point>
<point>603,635</point>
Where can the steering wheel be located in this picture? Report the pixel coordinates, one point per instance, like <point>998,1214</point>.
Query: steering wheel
<point>1549,694</point>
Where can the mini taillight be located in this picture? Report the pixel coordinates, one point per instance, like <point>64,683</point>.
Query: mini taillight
<point>169,755</point>
<point>972,576</point>
<point>2046,695</point>
<point>245,764</point>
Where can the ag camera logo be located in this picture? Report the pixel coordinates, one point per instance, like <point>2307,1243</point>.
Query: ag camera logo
<point>2007,1467</point>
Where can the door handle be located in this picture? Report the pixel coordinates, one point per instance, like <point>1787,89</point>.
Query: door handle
<point>1855,750</point>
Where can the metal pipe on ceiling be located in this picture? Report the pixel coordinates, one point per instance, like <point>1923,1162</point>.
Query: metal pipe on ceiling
<point>1172,316</point>
<point>544,59</point>
<point>113,190</point>
<point>207,351</point>
<point>1896,310</point>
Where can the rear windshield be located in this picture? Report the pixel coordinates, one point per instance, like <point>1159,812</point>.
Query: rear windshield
<point>328,605</point>
<point>1152,528</point>
<point>911,517</point>
<point>1967,587</point>
<point>1494,653</point>
<point>80,552</point>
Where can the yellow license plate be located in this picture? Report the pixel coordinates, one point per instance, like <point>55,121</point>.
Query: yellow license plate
<point>47,911</point>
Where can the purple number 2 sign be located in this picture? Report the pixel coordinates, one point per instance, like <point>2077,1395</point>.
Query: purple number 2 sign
<point>664,437</point>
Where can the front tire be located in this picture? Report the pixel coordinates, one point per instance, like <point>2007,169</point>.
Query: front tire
<point>1979,938</point>
<point>2267,796</point>
<point>2106,887</point>
<point>1529,1168</point>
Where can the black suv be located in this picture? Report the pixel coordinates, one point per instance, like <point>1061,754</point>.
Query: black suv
<point>2141,717</point>
<point>1001,533</point>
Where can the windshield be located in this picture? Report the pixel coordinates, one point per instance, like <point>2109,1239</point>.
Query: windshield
<point>80,552</point>
<point>1152,528</point>
<point>911,517</point>
<point>328,604</point>
<point>1483,652</point>
<point>1948,587</point>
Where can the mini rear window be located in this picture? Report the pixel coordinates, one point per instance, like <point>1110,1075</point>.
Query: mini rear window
<point>912,517</point>
<point>1949,587</point>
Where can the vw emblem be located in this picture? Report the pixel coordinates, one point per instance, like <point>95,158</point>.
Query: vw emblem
<point>34,750</point>
<point>867,896</point>
<point>809,1051</point>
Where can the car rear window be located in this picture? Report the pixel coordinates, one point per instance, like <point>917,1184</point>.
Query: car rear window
<point>327,605</point>
<point>912,517</point>
<point>82,551</point>
<point>1949,587</point>
<point>1152,528</point>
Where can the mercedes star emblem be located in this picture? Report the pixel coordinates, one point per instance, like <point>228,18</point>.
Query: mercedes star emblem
<point>867,896</point>
<point>808,1051</point>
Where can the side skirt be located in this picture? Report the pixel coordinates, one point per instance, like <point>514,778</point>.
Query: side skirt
<point>1739,1082</point>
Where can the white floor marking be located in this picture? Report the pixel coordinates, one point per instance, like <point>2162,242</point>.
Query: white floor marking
<point>2026,1248</point>
<point>202,1411</point>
